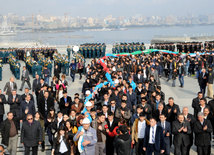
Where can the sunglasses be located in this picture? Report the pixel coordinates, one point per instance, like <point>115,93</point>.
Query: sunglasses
<point>1,151</point>
<point>29,119</point>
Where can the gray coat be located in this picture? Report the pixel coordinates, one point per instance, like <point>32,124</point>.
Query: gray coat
<point>8,89</point>
<point>25,76</point>
<point>31,135</point>
<point>156,77</point>
<point>90,135</point>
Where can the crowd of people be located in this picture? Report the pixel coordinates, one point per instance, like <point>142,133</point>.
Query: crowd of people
<point>93,50</point>
<point>130,116</point>
<point>185,47</point>
<point>209,45</point>
<point>128,47</point>
<point>20,53</point>
<point>165,46</point>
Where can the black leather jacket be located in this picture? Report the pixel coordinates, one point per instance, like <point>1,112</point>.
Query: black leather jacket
<point>123,144</point>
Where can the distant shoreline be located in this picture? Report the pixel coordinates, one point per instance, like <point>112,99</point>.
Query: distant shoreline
<point>108,28</point>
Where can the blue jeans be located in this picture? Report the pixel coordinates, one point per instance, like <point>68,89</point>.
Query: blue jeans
<point>186,70</point>
<point>72,74</point>
<point>170,74</point>
<point>46,80</point>
<point>181,79</point>
<point>173,82</point>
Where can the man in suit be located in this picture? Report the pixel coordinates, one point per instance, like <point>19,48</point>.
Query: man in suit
<point>38,88</point>
<point>27,107</point>
<point>181,130</point>
<point>195,103</point>
<point>111,124</point>
<point>202,80</point>
<point>2,103</point>
<point>211,105</point>
<point>154,139</point>
<point>146,107</point>
<point>172,110</point>
<point>36,83</point>
<point>202,105</point>
<point>138,78</point>
<point>203,130</point>
<point>154,72</point>
<point>45,103</point>
<point>14,102</point>
<point>9,86</point>
<point>27,93</point>
<point>65,103</point>
<point>159,111</point>
<point>25,78</point>
<point>132,97</point>
<point>191,119</point>
<point>166,132</point>
<point>112,107</point>
<point>145,72</point>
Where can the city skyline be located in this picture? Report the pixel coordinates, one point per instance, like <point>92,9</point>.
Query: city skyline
<point>102,8</point>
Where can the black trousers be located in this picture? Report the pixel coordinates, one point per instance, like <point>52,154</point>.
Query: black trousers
<point>150,149</point>
<point>204,150</point>
<point>1,118</point>
<point>109,146</point>
<point>23,82</point>
<point>181,149</point>
<point>34,150</point>
<point>139,147</point>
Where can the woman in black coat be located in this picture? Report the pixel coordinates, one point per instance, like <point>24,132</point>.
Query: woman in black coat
<point>61,144</point>
<point>71,130</point>
<point>86,86</point>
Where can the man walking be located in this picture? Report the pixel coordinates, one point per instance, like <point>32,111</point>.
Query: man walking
<point>203,130</point>
<point>87,138</point>
<point>154,139</point>
<point>25,78</point>
<point>2,103</point>
<point>31,135</point>
<point>181,73</point>
<point>9,132</point>
<point>202,80</point>
<point>9,86</point>
<point>210,83</point>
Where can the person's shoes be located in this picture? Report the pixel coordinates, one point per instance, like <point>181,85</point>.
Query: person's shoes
<point>43,150</point>
<point>180,86</point>
<point>20,89</point>
<point>167,80</point>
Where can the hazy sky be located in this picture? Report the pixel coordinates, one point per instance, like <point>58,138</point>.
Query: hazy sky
<point>100,8</point>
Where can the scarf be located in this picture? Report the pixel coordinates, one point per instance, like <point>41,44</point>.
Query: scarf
<point>81,140</point>
<point>63,148</point>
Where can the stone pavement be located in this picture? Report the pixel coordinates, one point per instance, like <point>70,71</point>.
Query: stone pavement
<point>183,96</point>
